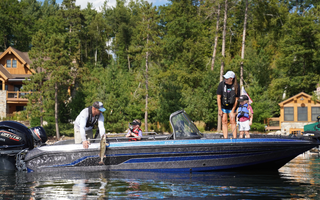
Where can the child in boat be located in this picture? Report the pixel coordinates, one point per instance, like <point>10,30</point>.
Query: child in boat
<point>134,130</point>
<point>245,116</point>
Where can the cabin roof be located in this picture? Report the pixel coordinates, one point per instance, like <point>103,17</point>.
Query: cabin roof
<point>295,97</point>
<point>23,55</point>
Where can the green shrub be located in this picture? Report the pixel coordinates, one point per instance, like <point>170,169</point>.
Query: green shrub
<point>50,129</point>
<point>257,127</point>
<point>64,129</point>
<point>200,125</point>
<point>35,121</point>
<point>49,119</point>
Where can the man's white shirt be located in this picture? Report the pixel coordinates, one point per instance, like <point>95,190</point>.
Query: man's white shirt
<point>81,121</point>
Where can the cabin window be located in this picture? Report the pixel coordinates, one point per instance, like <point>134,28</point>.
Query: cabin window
<point>20,108</point>
<point>8,63</point>
<point>302,113</point>
<point>14,64</point>
<point>17,87</point>
<point>1,85</point>
<point>315,112</point>
<point>6,87</point>
<point>288,114</point>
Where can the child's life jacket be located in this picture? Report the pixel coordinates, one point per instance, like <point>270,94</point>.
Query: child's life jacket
<point>135,131</point>
<point>229,95</point>
<point>243,111</point>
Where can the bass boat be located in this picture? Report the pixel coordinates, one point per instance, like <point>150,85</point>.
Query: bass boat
<point>185,150</point>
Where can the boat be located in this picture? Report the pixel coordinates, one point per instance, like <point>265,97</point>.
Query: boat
<point>185,150</point>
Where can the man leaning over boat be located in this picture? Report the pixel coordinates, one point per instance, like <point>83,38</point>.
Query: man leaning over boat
<point>85,121</point>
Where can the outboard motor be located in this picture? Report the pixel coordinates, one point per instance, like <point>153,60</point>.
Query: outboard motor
<point>39,135</point>
<point>14,138</point>
<point>14,135</point>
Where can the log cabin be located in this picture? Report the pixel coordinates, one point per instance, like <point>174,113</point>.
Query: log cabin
<point>295,113</point>
<point>14,69</point>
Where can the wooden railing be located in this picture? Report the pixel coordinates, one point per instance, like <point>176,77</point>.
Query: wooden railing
<point>17,94</point>
<point>273,124</point>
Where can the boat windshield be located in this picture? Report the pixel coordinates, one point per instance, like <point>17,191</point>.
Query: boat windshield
<point>183,127</point>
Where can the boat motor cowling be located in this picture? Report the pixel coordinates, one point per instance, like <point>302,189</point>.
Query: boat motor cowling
<point>39,135</point>
<point>14,135</point>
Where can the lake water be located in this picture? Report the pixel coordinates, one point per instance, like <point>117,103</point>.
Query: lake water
<point>299,179</point>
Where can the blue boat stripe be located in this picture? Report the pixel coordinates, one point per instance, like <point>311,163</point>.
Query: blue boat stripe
<point>182,158</point>
<point>206,141</point>
<point>74,162</point>
<point>161,159</point>
<point>195,169</point>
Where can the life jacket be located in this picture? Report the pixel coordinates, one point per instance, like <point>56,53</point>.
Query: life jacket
<point>136,131</point>
<point>228,98</point>
<point>95,120</point>
<point>243,111</point>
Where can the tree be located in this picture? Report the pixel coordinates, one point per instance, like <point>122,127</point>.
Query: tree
<point>58,68</point>
<point>51,55</point>
<point>38,56</point>
<point>297,68</point>
<point>17,24</point>
<point>216,38</point>
<point>243,42</point>
<point>122,21</point>
<point>146,44</point>
<point>94,35</point>
<point>223,51</point>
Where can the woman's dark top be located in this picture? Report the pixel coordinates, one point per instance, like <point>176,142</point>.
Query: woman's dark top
<point>228,95</point>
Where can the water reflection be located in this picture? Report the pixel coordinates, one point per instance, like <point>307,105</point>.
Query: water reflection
<point>80,189</point>
<point>299,179</point>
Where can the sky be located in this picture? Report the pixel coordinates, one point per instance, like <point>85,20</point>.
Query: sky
<point>97,3</point>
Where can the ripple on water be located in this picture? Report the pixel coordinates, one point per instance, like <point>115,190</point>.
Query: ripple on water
<point>299,179</point>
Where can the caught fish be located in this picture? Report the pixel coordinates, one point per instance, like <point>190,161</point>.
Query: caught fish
<point>103,144</point>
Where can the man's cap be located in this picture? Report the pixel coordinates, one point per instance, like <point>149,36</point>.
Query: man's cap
<point>229,74</point>
<point>98,105</point>
<point>135,122</point>
<point>243,98</point>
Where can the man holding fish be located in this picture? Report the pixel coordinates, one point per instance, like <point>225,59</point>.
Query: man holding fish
<point>85,121</point>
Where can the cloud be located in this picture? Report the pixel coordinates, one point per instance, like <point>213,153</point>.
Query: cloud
<point>111,3</point>
<point>96,3</point>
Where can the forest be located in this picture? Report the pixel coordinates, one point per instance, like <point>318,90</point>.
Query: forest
<point>146,62</point>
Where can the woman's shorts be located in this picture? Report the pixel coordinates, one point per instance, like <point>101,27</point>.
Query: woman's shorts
<point>244,126</point>
<point>226,111</point>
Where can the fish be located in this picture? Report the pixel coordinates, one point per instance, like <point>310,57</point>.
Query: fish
<point>103,146</point>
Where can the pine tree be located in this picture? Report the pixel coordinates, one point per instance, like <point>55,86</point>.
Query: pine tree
<point>38,55</point>
<point>146,44</point>
<point>52,60</point>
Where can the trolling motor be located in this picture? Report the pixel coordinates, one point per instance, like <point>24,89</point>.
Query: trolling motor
<point>39,135</point>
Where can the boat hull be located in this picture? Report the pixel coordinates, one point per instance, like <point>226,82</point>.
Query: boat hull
<point>7,162</point>
<point>171,155</point>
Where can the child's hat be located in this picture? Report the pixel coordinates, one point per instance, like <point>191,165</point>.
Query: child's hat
<point>243,98</point>
<point>135,122</point>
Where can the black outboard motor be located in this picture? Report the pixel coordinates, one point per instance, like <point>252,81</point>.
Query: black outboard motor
<point>14,137</point>
<point>39,135</point>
